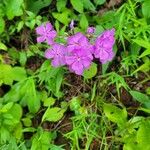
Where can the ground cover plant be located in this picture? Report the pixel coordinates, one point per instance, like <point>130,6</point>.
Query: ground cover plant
<point>74,74</point>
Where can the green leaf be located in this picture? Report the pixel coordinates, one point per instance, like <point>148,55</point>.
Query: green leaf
<point>143,135</point>
<point>6,75</point>
<point>99,2</point>
<point>87,4</point>
<point>27,122</point>
<point>22,58</point>
<point>91,72</point>
<point>16,111</point>
<point>115,114</point>
<point>146,8</point>
<point>13,8</point>
<point>144,68</point>
<point>49,102</point>
<point>142,43</point>
<point>75,105</point>
<point>20,25</point>
<point>140,97</point>
<point>41,140</point>
<point>3,46</point>
<point>18,131</point>
<point>19,73</point>
<point>36,5</point>
<point>62,17</point>
<point>145,53</point>
<point>53,114</point>
<point>83,22</point>
<point>61,4</point>
<point>77,5</point>
<point>6,107</point>
<point>2,25</point>
<point>31,97</point>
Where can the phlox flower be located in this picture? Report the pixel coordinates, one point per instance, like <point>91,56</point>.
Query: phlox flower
<point>78,40</point>
<point>57,54</point>
<point>46,33</point>
<point>78,60</point>
<point>104,46</point>
<point>90,30</point>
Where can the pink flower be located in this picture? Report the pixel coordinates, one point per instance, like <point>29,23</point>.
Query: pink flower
<point>46,33</point>
<point>90,30</point>
<point>79,40</point>
<point>57,54</point>
<point>104,46</point>
<point>78,60</point>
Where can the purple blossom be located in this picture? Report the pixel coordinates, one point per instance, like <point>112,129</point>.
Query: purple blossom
<point>46,33</point>
<point>104,46</point>
<point>90,30</point>
<point>57,54</point>
<point>78,41</point>
<point>78,60</point>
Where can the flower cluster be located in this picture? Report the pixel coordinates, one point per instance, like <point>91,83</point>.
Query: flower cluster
<point>78,53</point>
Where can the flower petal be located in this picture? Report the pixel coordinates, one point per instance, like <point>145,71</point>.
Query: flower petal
<point>70,59</point>
<point>55,62</point>
<point>41,39</point>
<point>48,26</point>
<point>49,54</point>
<point>40,30</point>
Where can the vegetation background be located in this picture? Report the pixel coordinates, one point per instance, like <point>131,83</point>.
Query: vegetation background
<point>46,108</point>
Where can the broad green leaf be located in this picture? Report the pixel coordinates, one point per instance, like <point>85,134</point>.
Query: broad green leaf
<point>140,97</point>
<point>22,58</point>
<point>6,75</point>
<point>59,79</point>
<point>31,97</point>
<point>146,8</point>
<point>2,25</point>
<point>19,73</point>
<point>83,22</point>
<point>4,134</point>
<point>6,107</point>
<point>62,17</point>
<point>41,140</point>
<point>61,4</point>
<point>14,93</point>
<point>87,4</point>
<point>3,46</point>
<point>24,92</point>
<point>99,2</point>
<point>20,25</point>
<point>27,122</point>
<point>49,102</point>
<point>36,5</point>
<point>115,114</point>
<point>77,5</point>
<point>18,131</point>
<point>143,135</point>
<point>16,111</point>
<point>91,72</point>
<point>13,8</point>
<point>53,114</point>
<point>57,26</point>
